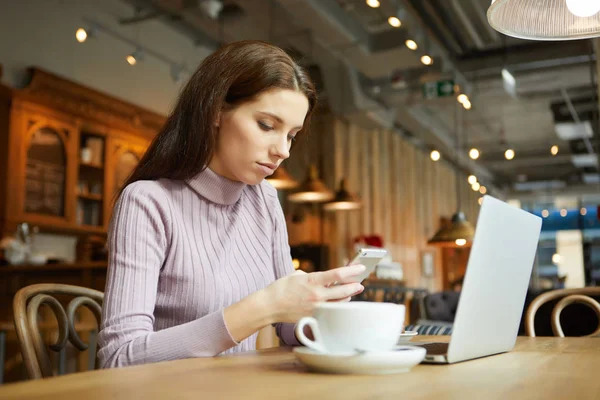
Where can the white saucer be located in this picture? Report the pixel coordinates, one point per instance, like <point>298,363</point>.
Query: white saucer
<point>407,336</point>
<point>399,360</point>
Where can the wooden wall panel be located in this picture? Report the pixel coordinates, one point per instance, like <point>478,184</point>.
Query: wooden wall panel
<point>405,195</point>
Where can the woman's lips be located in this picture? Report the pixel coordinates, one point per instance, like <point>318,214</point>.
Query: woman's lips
<point>267,168</point>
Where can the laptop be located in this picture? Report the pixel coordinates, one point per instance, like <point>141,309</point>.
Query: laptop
<point>494,287</point>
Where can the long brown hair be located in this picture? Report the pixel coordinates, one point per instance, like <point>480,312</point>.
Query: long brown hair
<point>234,74</point>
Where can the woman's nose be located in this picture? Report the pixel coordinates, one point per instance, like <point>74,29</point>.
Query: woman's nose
<point>282,148</point>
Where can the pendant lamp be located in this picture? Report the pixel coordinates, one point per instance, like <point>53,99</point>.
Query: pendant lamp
<point>343,200</point>
<point>546,19</point>
<point>457,234</point>
<point>312,190</point>
<point>281,179</point>
<point>460,231</point>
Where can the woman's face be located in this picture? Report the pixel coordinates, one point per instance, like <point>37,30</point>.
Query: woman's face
<point>255,137</point>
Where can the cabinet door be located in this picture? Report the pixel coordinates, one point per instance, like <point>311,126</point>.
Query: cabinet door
<point>124,156</point>
<point>45,193</point>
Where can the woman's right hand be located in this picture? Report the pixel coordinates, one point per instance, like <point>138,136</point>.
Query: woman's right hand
<point>295,296</point>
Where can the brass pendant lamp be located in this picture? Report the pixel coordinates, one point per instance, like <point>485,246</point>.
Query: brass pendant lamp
<point>312,190</point>
<point>343,200</point>
<point>282,180</point>
<point>459,232</point>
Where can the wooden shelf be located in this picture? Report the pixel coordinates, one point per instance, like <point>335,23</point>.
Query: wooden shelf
<point>90,196</point>
<point>91,228</point>
<point>54,267</point>
<point>90,165</point>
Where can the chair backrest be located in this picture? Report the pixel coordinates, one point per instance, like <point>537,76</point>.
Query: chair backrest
<point>567,297</point>
<point>26,304</point>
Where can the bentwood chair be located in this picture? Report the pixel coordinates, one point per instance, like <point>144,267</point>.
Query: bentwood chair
<point>567,297</point>
<point>26,306</point>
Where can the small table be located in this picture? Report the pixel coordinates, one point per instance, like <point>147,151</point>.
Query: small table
<point>538,368</point>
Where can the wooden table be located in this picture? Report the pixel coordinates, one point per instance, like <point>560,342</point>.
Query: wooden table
<point>538,368</point>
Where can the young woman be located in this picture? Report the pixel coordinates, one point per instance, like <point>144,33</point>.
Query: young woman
<point>199,255</point>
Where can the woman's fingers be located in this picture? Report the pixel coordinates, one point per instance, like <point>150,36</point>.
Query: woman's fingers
<point>341,291</point>
<point>338,275</point>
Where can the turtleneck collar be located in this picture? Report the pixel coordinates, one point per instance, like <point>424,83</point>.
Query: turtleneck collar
<point>216,188</point>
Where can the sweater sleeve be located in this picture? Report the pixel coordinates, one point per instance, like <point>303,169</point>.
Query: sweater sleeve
<point>282,259</point>
<point>138,243</point>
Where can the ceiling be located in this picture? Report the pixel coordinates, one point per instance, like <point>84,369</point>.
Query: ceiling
<point>368,74</point>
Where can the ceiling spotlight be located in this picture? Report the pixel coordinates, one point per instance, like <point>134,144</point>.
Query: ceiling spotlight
<point>466,104</point>
<point>554,150</point>
<point>411,44</point>
<point>472,179</point>
<point>134,57</point>
<point>373,3</point>
<point>394,21</point>
<point>462,98</point>
<point>81,35</point>
<point>460,242</point>
<point>427,60</point>
<point>509,154</point>
<point>474,154</point>
<point>435,155</point>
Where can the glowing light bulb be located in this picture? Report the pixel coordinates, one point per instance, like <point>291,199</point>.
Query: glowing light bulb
<point>411,44</point>
<point>509,154</point>
<point>394,21</point>
<point>427,60</point>
<point>583,8</point>
<point>474,154</point>
<point>460,242</point>
<point>554,150</point>
<point>545,213</point>
<point>472,179</point>
<point>435,155</point>
<point>373,3</point>
<point>81,35</point>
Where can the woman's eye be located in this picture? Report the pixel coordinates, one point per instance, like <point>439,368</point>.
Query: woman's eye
<point>265,127</point>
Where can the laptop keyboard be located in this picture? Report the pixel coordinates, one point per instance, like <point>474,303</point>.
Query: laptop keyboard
<point>434,349</point>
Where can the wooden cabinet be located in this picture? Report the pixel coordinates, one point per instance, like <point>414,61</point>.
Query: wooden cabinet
<point>65,150</point>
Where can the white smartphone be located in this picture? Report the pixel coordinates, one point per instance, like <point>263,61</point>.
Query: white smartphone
<point>369,258</point>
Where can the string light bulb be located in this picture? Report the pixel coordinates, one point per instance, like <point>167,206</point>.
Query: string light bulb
<point>435,155</point>
<point>81,35</point>
<point>509,154</point>
<point>474,154</point>
<point>373,3</point>
<point>426,60</point>
<point>395,22</point>
<point>411,44</point>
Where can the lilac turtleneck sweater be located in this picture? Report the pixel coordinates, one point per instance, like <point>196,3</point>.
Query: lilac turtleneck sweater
<point>181,252</point>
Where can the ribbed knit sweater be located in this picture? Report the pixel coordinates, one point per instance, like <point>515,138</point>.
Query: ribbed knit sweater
<point>179,253</point>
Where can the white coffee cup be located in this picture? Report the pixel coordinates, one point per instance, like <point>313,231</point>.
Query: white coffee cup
<point>341,327</point>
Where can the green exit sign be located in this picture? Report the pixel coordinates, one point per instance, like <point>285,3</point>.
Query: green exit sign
<point>436,89</point>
